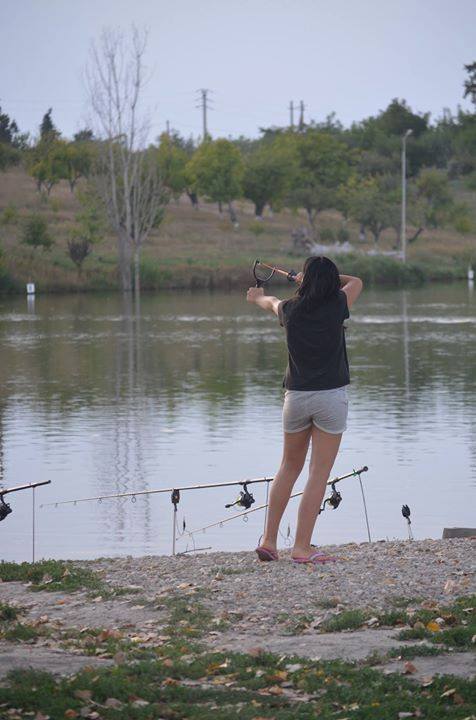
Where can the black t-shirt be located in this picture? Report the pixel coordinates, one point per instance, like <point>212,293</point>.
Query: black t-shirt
<point>317,356</point>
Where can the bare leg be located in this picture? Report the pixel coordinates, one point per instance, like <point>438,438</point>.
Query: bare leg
<point>324,450</point>
<point>294,455</point>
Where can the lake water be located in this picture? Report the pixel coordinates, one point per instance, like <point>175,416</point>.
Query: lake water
<point>101,397</point>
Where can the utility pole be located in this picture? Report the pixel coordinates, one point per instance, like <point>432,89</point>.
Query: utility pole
<point>403,229</point>
<point>302,107</point>
<point>204,105</point>
<point>291,114</point>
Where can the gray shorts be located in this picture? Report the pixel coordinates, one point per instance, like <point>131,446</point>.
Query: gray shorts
<point>326,409</point>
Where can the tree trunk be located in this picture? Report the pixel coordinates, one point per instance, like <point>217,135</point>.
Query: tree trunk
<point>193,199</point>
<point>220,208</point>
<point>259,209</point>
<point>137,271</point>
<point>124,254</point>
<point>232,212</point>
<point>415,236</point>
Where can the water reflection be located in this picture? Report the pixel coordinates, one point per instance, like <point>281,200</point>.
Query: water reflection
<point>101,395</point>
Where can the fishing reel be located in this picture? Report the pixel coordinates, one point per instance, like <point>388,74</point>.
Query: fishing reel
<point>5,508</point>
<point>245,499</point>
<point>334,499</point>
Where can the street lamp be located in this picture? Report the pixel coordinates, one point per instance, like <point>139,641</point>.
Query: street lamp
<point>403,232</point>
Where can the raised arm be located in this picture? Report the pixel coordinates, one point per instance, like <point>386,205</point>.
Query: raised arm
<point>352,286</point>
<point>266,302</point>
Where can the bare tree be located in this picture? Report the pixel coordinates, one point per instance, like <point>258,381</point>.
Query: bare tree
<point>127,172</point>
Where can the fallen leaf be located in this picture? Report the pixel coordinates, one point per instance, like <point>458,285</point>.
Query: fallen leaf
<point>170,681</point>
<point>70,713</point>
<point>448,693</point>
<point>409,668</point>
<point>433,626</point>
<point>449,587</point>
<point>255,651</point>
<point>426,680</point>
<point>83,694</point>
<point>293,667</point>
<point>113,703</point>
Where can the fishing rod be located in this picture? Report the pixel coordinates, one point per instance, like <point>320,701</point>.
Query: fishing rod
<point>5,508</point>
<point>172,490</point>
<point>334,500</point>
<point>262,276</point>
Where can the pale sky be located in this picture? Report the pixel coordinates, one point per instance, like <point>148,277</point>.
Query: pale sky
<point>347,56</point>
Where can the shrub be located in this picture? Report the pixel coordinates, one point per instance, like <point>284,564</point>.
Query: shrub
<point>343,235</point>
<point>78,251</point>
<point>10,215</point>
<point>327,235</point>
<point>257,228</point>
<point>463,224</point>
<point>35,233</point>
<point>470,181</point>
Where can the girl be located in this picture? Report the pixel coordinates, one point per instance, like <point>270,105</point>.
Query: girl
<point>315,399</point>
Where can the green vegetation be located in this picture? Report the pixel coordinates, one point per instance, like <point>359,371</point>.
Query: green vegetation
<point>284,192</point>
<point>182,683</point>
<point>52,575</point>
<point>8,612</point>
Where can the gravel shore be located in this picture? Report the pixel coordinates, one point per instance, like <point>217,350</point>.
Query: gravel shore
<point>370,575</point>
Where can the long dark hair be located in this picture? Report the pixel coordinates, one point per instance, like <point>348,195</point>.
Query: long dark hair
<point>320,283</point>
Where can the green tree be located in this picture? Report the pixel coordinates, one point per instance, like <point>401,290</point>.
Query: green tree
<point>75,159</point>
<point>216,171</point>
<point>47,163</point>
<point>172,159</point>
<point>48,130</point>
<point>373,202</point>
<point>267,176</point>
<point>11,141</point>
<point>432,203</point>
<point>36,234</point>
<point>470,82</point>
<point>324,163</point>
<point>90,227</point>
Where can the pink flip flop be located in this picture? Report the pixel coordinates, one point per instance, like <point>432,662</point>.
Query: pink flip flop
<point>266,555</point>
<point>315,559</point>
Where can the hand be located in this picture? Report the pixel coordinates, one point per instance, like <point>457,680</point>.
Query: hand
<point>298,278</point>
<point>254,293</point>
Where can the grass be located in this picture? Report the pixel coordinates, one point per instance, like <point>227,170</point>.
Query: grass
<point>21,633</point>
<point>8,612</point>
<point>182,683</point>
<point>346,620</point>
<point>52,575</point>
<point>190,619</point>
<point>60,576</point>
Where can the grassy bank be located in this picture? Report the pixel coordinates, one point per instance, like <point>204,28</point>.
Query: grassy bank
<point>201,249</point>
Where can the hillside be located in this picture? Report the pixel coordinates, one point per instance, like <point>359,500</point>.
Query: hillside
<point>202,249</point>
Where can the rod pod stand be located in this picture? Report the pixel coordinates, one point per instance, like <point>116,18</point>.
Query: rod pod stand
<point>175,498</point>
